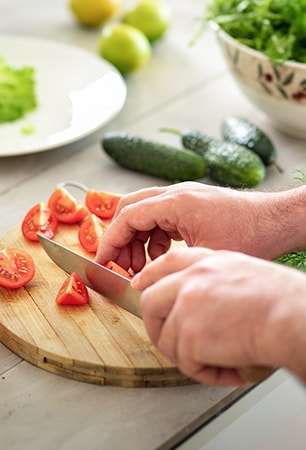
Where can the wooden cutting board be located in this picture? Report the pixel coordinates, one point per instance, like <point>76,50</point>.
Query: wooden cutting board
<point>98,343</point>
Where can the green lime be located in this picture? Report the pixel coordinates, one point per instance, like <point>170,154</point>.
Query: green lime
<point>124,46</point>
<point>152,17</point>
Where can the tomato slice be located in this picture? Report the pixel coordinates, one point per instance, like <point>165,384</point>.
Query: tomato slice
<point>90,232</point>
<point>103,204</point>
<point>17,268</point>
<point>118,269</point>
<point>73,291</point>
<point>39,219</point>
<point>65,207</point>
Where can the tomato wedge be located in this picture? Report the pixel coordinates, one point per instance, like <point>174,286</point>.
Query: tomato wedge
<point>90,232</point>
<point>73,291</point>
<point>118,269</point>
<point>65,207</point>
<point>39,219</point>
<point>17,268</point>
<point>103,204</point>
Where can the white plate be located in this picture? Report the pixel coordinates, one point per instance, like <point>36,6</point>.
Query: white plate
<point>77,92</point>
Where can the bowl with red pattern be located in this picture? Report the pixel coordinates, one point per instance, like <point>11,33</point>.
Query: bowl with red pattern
<point>279,91</point>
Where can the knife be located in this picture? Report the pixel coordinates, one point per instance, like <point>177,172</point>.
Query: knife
<point>118,290</point>
<point>110,284</point>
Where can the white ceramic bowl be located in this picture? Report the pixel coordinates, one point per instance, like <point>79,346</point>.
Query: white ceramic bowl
<point>278,91</point>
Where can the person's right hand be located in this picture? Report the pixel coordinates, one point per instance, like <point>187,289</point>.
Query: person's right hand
<point>211,311</point>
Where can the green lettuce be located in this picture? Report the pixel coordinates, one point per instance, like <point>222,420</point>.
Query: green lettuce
<point>17,91</point>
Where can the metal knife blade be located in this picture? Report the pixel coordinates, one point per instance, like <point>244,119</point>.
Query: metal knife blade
<point>110,284</point>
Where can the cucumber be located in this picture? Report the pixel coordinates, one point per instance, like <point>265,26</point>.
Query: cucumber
<point>228,163</point>
<point>233,165</point>
<point>241,131</point>
<point>191,139</point>
<point>153,158</point>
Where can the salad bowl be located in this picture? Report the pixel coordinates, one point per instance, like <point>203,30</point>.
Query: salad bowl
<point>279,91</point>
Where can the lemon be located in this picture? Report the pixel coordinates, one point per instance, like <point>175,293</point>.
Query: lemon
<point>92,13</point>
<point>124,46</point>
<point>152,17</point>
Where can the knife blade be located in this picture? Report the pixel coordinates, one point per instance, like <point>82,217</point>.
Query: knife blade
<point>119,291</point>
<point>110,284</point>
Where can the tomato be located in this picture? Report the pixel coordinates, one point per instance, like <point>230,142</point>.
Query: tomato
<point>73,291</point>
<point>118,269</point>
<point>65,207</point>
<point>103,204</point>
<point>17,268</point>
<point>90,232</point>
<point>39,219</point>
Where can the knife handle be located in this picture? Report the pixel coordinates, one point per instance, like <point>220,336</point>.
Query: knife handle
<point>254,374</point>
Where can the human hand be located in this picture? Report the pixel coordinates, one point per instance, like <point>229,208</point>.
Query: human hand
<point>200,215</point>
<point>211,311</point>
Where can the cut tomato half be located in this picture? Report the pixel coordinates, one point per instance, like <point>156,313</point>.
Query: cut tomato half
<point>90,232</point>
<point>118,269</point>
<point>73,291</point>
<point>39,219</point>
<point>17,268</point>
<point>65,207</point>
<point>103,204</point>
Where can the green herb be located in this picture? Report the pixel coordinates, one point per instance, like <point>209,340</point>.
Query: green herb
<point>296,260</point>
<point>301,177</point>
<point>17,91</point>
<point>275,27</point>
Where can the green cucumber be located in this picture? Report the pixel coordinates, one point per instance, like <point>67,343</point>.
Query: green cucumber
<point>153,158</point>
<point>241,131</point>
<point>228,163</point>
<point>191,139</point>
<point>234,165</point>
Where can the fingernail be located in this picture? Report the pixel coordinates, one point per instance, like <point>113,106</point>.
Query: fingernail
<point>135,280</point>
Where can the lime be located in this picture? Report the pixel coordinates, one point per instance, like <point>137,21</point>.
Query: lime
<point>92,13</point>
<point>124,46</point>
<point>152,17</point>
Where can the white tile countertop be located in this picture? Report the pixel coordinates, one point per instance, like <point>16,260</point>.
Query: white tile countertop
<point>182,86</point>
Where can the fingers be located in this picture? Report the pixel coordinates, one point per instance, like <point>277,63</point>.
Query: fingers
<point>163,325</point>
<point>214,376</point>
<point>138,222</point>
<point>159,243</point>
<point>156,306</point>
<point>171,262</point>
<point>137,196</point>
<point>129,226</point>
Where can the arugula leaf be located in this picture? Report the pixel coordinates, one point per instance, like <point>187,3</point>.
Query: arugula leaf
<point>296,260</point>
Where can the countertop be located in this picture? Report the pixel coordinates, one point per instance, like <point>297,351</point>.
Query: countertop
<point>182,86</point>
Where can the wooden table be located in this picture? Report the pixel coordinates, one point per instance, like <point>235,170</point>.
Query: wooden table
<point>181,87</point>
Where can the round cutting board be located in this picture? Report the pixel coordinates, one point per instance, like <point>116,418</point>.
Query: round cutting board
<point>96,343</point>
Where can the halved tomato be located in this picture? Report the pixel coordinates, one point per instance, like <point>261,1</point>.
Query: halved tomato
<point>17,268</point>
<point>118,269</point>
<point>65,207</point>
<point>90,232</point>
<point>39,219</point>
<point>103,204</point>
<point>73,291</point>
